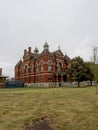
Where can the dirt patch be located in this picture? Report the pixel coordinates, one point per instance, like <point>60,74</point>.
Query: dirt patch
<point>41,125</point>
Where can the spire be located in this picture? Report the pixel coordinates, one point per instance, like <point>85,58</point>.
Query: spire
<point>36,50</point>
<point>65,53</point>
<point>46,46</point>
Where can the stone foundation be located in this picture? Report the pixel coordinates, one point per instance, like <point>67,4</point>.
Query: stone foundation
<point>52,84</point>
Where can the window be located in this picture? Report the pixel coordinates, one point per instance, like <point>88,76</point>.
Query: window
<point>31,68</point>
<point>36,68</point>
<point>41,77</point>
<point>49,66</point>
<point>49,77</point>
<point>41,66</point>
<point>26,69</point>
<point>59,67</point>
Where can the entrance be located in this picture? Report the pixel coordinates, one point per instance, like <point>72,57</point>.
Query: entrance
<point>59,78</point>
<point>64,78</point>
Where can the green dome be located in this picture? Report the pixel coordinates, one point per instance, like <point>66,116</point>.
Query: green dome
<point>36,50</point>
<point>46,46</point>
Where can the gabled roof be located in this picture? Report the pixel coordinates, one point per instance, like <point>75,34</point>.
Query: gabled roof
<point>66,58</point>
<point>19,63</point>
<point>46,52</point>
<point>57,52</point>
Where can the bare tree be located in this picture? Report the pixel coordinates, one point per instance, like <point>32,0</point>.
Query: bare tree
<point>94,57</point>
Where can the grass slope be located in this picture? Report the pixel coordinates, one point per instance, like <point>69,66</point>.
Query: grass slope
<point>64,108</point>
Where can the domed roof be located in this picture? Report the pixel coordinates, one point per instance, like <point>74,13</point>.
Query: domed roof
<point>36,50</point>
<point>46,46</point>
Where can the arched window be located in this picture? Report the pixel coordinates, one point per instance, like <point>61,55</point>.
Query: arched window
<point>41,66</point>
<point>49,65</point>
<point>26,69</point>
<point>36,68</point>
<point>31,68</point>
<point>59,67</point>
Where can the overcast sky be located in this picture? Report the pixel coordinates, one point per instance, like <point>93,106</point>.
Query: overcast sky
<point>70,24</point>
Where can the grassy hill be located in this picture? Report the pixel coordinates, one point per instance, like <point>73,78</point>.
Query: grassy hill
<point>63,108</point>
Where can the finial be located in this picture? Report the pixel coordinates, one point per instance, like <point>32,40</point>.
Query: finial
<point>59,47</point>
<point>45,42</point>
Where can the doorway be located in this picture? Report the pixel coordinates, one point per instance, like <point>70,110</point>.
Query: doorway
<point>64,78</point>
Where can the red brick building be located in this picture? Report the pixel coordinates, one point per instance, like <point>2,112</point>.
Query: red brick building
<point>42,69</point>
<point>2,79</point>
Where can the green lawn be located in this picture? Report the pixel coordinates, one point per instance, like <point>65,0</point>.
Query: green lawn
<point>64,108</point>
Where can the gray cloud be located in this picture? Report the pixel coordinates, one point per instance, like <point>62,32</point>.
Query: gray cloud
<point>72,24</point>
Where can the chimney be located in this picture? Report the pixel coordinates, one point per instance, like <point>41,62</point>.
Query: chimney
<point>29,49</point>
<point>25,51</point>
<point>0,71</point>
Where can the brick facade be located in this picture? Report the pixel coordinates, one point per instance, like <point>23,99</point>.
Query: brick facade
<point>2,79</point>
<point>44,69</point>
<point>0,71</point>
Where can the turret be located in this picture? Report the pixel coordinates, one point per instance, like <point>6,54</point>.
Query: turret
<point>46,46</point>
<point>36,50</point>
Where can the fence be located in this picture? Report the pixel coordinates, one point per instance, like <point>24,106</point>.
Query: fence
<point>14,84</point>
